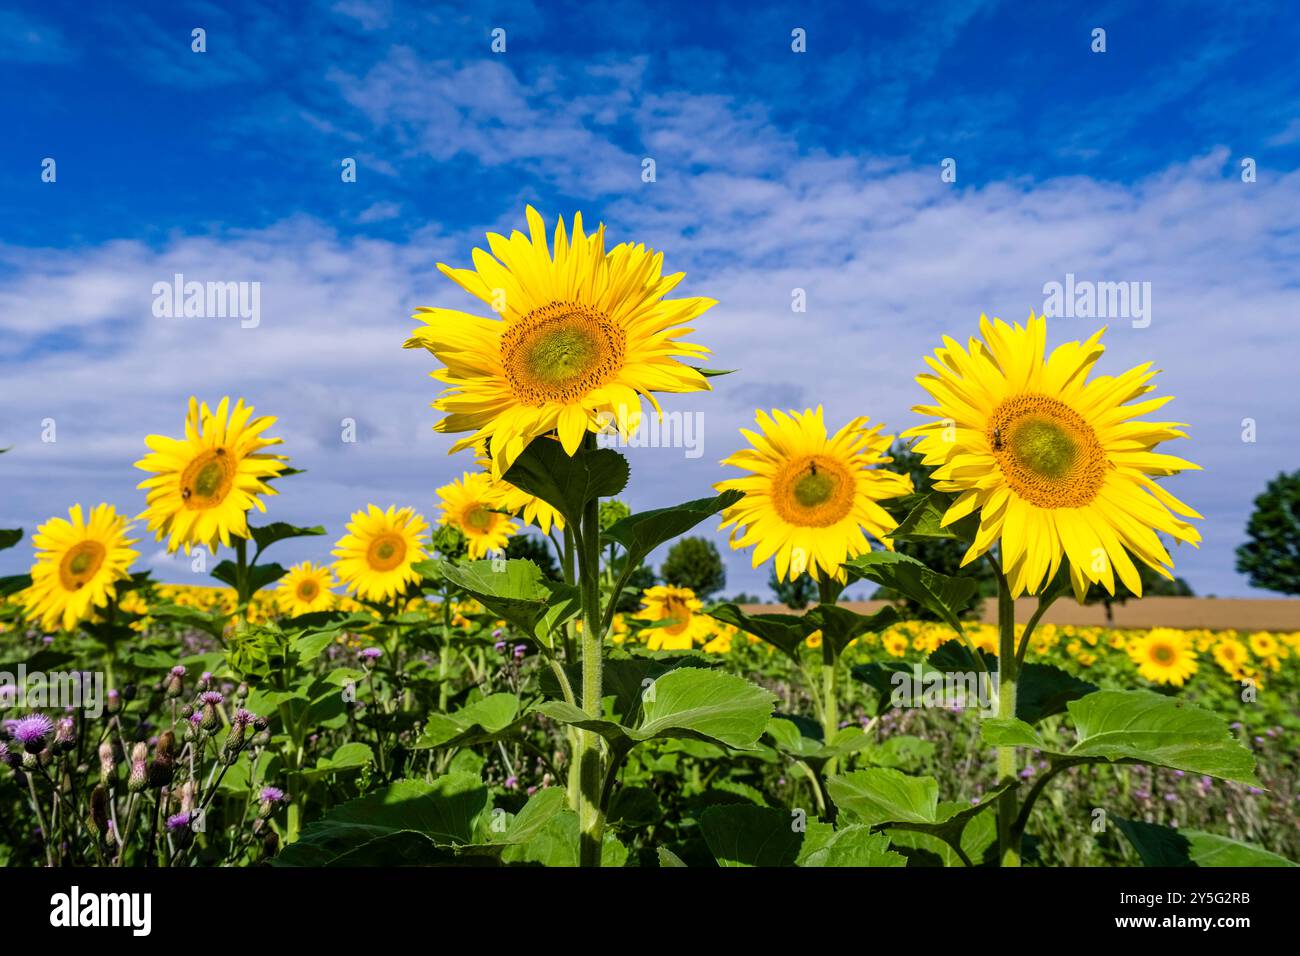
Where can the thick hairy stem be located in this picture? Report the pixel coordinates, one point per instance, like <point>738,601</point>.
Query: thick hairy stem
<point>1008,667</point>
<point>589,761</point>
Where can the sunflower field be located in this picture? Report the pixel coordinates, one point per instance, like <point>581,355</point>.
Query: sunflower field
<point>415,696</point>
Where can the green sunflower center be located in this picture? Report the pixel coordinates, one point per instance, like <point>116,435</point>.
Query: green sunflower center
<point>478,518</point>
<point>80,563</point>
<point>207,479</point>
<point>386,551</point>
<point>814,491</point>
<point>1162,654</point>
<point>560,352</point>
<point>307,590</point>
<point>1049,454</point>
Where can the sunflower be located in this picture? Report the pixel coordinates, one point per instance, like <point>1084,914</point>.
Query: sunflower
<point>1231,655</point>
<point>1164,656</point>
<point>1264,645</point>
<point>375,556</point>
<point>205,483</point>
<point>78,565</point>
<point>516,501</point>
<point>896,644</point>
<point>1057,465</point>
<point>809,498</point>
<point>665,602</point>
<point>470,504</point>
<point>580,336</point>
<point>306,588</point>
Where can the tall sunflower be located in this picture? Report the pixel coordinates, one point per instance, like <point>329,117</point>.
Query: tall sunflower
<point>581,335</point>
<point>679,606</point>
<point>205,483</point>
<point>376,555</point>
<point>811,499</point>
<point>470,505</point>
<point>306,588</point>
<point>1164,656</point>
<point>1056,464</point>
<point>78,565</point>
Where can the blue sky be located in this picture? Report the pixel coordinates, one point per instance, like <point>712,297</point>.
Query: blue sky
<point>775,170</point>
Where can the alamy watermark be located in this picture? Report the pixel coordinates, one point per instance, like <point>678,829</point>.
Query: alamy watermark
<point>179,299</point>
<point>1084,299</point>
<point>951,690</point>
<point>36,690</point>
<point>634,428</point>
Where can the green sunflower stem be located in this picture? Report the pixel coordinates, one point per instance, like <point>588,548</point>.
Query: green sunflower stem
<point>1008,671</point>
<point>589,758</point>
<point>830,676</point>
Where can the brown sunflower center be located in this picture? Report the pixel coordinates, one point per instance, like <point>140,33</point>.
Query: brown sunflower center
<point>813,491</point>
<point>82,561</point>
<point>386,551</point>
<point>207,479</point>
<point>477,518</point>
<point>1048,453</point>
<point>675,608</point>
<point>560,352</point>
<point>307,590</point>
<point>1163,654</point>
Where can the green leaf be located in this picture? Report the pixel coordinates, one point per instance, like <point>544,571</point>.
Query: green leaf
<point>789,737</point>
<point>642,533</point>
<point>567,484</point>
<point>1043,690</point>
<point>883,797</point>
<point>1210,849</point>
<point>1156,845</point>
<point>840,626</point>
<point>14,583</point>
<point>714,372</point>
<point>259,575</point>
<point>944,596</point>
<point>1144,727</point>
<point>785,632</point>
<point>740,834</point>
<point>445,811</point>
<point>482,721</point>
<point>516,590</point>
<point>350,756</point>
<point>10,537</point>
<point>555,843</point>
<point>268,535</point>
<point>923,522</point>
<point>687,703</point>
<point>626,677</point>
<point>1010,732</point>
<point>667,858</point>
<point>854,846</point>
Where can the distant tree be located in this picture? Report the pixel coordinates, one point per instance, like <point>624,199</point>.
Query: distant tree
<point>744,597</point>
<point>534,549</point>
<point>796,593</point>
<point>694,563</point>
<point>1271,555</point>
<point>938,554</point>
<point>1153,585</point>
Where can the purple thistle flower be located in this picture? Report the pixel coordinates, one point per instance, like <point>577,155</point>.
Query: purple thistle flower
<point>178,670</point>
<point>520,651</point>
<point>512,782</point>
<point>497,633</point>
<point>272,795</point>
<point>211,698</point>
<point>206,677</point>
<point>178,821</point>
<point>32,731</point>
<point>499,647</point>
<point>196,718</point>
<point>370,654</point>
<point>1256,791</point>
<point>244,717</point>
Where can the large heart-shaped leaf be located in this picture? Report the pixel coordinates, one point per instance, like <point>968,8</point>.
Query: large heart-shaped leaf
<point>785,632</point>
<point>641,533</point>
<point>568,483</point>
<point>840,626</point>
<point>850,846</point>
<point>1143,727</point>
<point>350,756</point>
<point>740,834</point>
<point>516,590</point>
<point>482,721</point>
<point>1164,846</point>
<point>940,594</point>
<point>689,702</point>
<point>446,811</point>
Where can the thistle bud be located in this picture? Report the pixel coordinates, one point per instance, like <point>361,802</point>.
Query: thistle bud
<point>98,818</point>
<point>241,692</point>
<point>174,685</point>
<point>270,844</point>
<point>139,778</point>
<point>114,701</point>
<point>107,765</point>
<point>65,735</point>
<point>188,794</point>
<point>164,761</point>
<point>210,700</point>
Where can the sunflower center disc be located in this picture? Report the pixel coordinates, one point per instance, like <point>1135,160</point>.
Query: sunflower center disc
<point>814,491</point>
<point>307,590</point>
<point>80,564</point>
<point>207,480</point>
<point>676,609</point>
<point>478,518</point>
<point>1162,653</point>
<point>386,552</point>
<point>560,352</point>
<point>1048,453</point>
